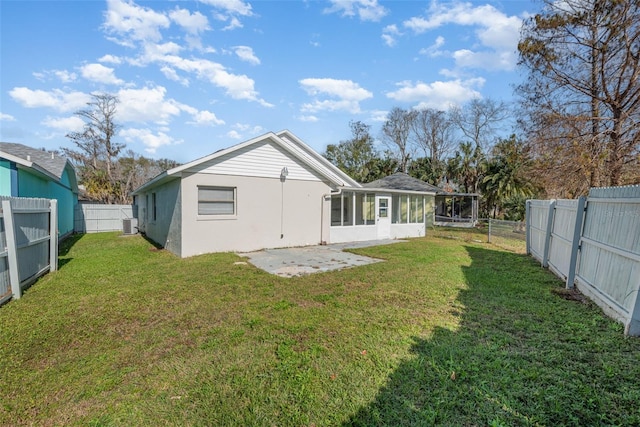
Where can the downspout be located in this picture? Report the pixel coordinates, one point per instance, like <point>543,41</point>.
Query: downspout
<point>324,242</point>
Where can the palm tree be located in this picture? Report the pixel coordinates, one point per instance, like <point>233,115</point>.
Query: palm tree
<point>506,174</point>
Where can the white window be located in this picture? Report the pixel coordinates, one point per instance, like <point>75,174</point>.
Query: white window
<point>216,200</point>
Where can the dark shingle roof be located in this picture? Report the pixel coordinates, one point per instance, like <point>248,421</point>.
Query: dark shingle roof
<point>402,181</point>
<point>52,163</point>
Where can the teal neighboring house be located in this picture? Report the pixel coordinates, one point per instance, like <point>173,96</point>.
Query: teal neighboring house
<point>29,172</point>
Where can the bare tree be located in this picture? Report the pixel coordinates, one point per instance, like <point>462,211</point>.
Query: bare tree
<point>432,131</point>
<point>396,133</point>
<point>581,100</point>
<point>479,120</point>
<point>97,152</point>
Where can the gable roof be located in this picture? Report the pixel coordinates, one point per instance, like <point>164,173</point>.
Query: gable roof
<point>402,181</point>
<point>283,139</point>
<point>44,162</point>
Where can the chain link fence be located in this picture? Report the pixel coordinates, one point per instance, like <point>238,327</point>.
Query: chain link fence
<point>510,235</point>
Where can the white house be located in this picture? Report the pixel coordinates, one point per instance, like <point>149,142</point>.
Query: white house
<point>271,191</point>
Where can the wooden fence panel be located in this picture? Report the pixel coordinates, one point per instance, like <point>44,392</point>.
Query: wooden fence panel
<point>97,218</point>
<point>561,239</point>
<point>609,259</point>
<point>597,247</point>
<point>537,227</point>
<point>28,243</point>
<point>5,282</point>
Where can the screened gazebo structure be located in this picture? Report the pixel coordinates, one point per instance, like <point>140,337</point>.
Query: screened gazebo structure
<point>459,209</point>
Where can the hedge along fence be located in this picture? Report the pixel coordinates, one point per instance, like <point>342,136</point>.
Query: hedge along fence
<point>594,244</point>
<point>28,243</point>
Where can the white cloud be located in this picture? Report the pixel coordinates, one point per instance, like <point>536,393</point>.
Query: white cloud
<point>229,10</point>
<point>243,131</point>
<point>99,73</point>
<point>236,86</point>
<point>110,59</point>
<point>246,54</point>
<point>172,74</point>
<point>130,23</point>
<point>7,117</point>
<point>366,10</point>
<point>487,60</point>
<point>205,118</point>
<point>308,118</point>
<point>146,105</point>
<point>439,94</point>
<point>150,140</point>
<point>234,23</point>
<point>497,33</point>
<point>236,7</point>
<point>434,50</point>
<point>133,26</point>
<point>346,95</point>
<point>389,35</point>
<point>234,134</point>
<point>193,23</point>
<point>379,116</point>
<point>56,99</point>
<point>64,124</point>
<point>65,76</point>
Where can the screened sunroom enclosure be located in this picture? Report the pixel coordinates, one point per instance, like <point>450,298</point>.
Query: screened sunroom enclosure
<point>370,214</point>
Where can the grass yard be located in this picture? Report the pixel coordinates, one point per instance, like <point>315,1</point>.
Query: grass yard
<point>445,332</point>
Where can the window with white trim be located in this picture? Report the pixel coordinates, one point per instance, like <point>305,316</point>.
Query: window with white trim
<point>216,200</point>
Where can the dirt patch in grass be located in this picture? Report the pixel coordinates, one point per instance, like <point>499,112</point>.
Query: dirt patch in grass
<point>570,294</point>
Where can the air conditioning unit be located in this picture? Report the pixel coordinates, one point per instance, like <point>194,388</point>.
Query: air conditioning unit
<point>130,226</point>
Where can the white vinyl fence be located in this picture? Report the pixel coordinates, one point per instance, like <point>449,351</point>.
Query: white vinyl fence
<point>28,243</point>
<point>95,218</point>
<point>594,244</point>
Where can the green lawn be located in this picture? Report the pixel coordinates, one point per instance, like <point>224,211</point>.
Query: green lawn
<point>445,332</point>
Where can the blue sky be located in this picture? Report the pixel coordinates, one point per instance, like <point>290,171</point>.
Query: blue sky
<point>196,76</point>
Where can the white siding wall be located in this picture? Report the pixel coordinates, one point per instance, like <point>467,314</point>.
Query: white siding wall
<point>264,160</point>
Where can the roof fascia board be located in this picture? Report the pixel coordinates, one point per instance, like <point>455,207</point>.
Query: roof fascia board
<point>385,190</point>
<point>29,165</point>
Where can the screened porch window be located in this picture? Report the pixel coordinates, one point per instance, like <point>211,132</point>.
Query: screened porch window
<point>350,206</point>
<point>407,209</point>
<point>400,212</point>
<point>365,209</point>
<point>216,200</point>
<point>417,209</point>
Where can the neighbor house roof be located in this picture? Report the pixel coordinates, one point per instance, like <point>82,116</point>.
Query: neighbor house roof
<point>402,181</point>
<point>284,139</point>
<point>44,162</point>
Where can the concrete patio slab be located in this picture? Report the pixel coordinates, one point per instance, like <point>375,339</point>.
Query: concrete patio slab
<point>291,262</point>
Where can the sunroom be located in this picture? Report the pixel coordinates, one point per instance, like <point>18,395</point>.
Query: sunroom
<point>371,214</point>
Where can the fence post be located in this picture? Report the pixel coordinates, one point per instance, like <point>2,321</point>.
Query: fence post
<point>53,235</point>
<point>575,246</point>
<point>12,249</point>
<point>632,328</point>
<point>547,238</point>
<point>489,238</point>
<point>527,224</point>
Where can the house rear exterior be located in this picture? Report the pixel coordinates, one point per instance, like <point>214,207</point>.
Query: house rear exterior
<point>268,192</point>
<point>28,172</point>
